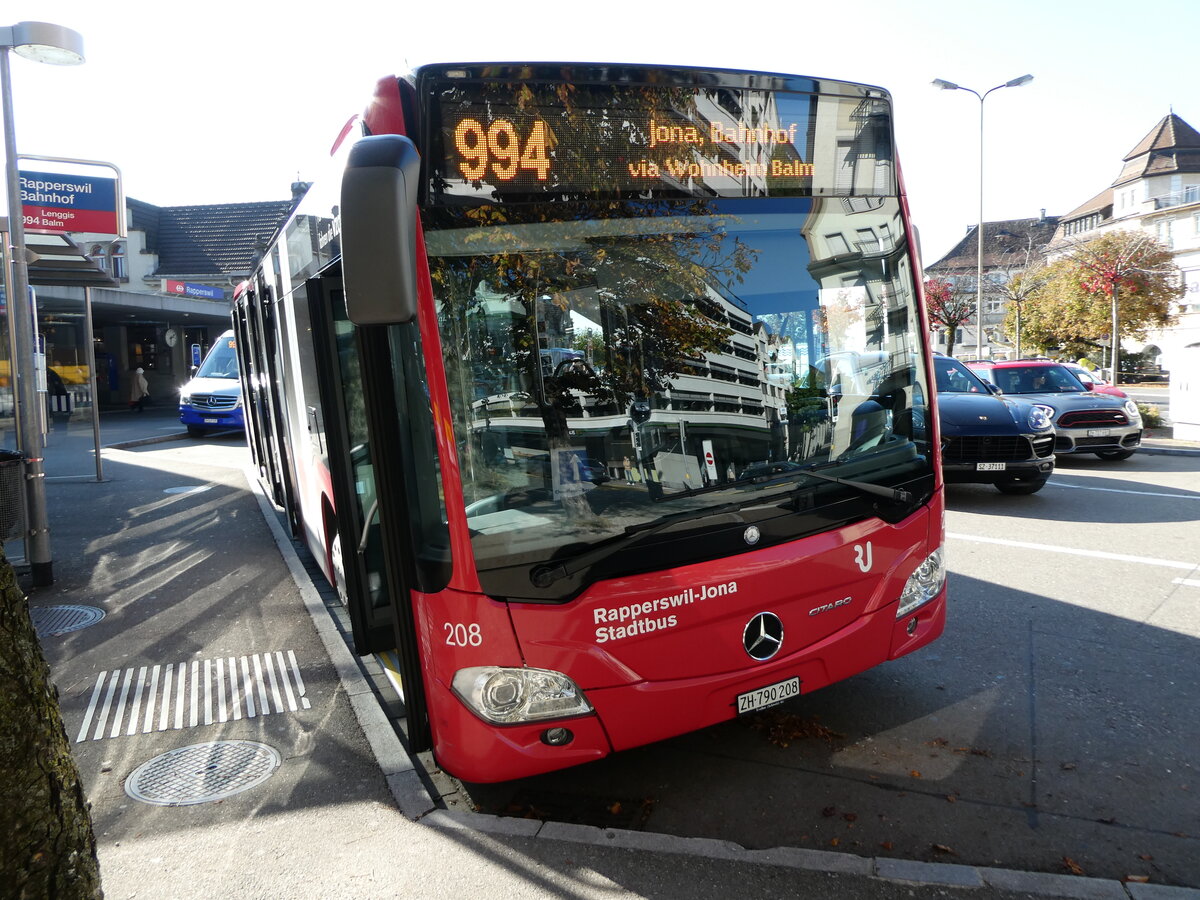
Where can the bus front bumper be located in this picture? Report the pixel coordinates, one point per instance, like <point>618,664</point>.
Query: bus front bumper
<point>631,715</point>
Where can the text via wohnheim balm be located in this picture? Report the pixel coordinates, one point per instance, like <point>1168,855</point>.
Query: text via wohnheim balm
<point>633,619</point>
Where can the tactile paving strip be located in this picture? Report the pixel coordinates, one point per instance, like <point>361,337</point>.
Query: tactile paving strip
<point>202,773</point>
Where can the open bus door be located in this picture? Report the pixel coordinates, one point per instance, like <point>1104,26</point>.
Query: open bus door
<point>376,593</point>
<point>258,350</point>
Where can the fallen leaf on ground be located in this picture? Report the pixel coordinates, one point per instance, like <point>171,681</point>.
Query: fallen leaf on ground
<point>1071,866</point>
<point>942,848</point>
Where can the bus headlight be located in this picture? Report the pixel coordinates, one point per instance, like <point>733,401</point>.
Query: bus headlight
<point>924,584</point>
<point>511,696</point>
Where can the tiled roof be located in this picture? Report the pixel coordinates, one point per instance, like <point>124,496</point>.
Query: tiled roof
<point>219,239</point>
<point>1172,146</point>
<point>1101,203</point>
<point>1004,244</point>
<point>1171,132</point>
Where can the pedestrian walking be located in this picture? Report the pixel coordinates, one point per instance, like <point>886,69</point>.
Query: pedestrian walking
<point>139,390</point>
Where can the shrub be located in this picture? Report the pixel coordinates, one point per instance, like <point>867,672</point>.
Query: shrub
<point>1151,417</point>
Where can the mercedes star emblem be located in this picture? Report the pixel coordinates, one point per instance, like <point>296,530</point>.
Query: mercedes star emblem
<point>763,636</point>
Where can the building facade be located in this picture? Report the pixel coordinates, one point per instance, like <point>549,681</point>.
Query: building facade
<point>1009,248</point>
<point>1158,193</point>
<point>157,299</point>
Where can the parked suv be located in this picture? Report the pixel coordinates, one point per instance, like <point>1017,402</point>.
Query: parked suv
<point>213,398</point>
<point>1084,421</point>
<point>987,438</point>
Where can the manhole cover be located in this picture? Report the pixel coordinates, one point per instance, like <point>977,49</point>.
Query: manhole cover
<point>55,620</point>
<point>202,772</point>
<point>189,489</point>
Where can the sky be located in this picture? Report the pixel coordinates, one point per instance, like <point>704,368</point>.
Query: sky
<point>226,102</point>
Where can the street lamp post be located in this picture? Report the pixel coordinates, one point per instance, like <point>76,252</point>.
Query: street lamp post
<point>56,45</point>
<point>951,86</point>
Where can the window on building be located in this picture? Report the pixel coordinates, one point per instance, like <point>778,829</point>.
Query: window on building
<point>836,244</point>
<point>117,257</point>
<point>1162,230</point>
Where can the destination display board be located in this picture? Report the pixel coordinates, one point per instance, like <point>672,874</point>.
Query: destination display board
<point>511,140</point>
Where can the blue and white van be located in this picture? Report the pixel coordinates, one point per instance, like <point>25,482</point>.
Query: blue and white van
<point>212,400</point>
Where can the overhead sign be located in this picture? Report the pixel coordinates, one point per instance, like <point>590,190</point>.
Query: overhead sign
<point>55,203</point>
<point>188,289</point>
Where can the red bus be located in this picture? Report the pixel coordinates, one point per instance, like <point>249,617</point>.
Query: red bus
<point>602,394</point>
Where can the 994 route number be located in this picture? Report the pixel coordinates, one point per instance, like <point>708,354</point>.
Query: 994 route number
<point>771,695</point>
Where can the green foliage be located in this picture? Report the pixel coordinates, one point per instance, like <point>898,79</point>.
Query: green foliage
<point>1151,415</point>
<point>1074,308</point>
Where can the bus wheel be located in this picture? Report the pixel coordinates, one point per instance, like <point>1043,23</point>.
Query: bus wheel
<point>337,565</point>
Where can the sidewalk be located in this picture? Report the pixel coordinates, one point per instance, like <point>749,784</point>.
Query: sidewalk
<point>1162,440</point>
<point>180,559</point>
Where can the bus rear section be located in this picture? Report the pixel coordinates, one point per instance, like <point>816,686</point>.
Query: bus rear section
<point>632,383</point>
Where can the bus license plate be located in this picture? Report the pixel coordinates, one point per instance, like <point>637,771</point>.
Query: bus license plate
<point>771,695</point>
<point>1099,432</point>
<point>990,467</point>
<point>211,421</point>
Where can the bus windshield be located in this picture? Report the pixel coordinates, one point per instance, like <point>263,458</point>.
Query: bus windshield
<point>613,363</point>
<point>221,361</point>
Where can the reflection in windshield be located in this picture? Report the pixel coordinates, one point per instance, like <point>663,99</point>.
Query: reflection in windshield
<point>640,359</point>
<point>221,361</point>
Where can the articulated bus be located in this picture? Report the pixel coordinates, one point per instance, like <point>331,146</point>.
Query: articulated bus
<point>601,394</point>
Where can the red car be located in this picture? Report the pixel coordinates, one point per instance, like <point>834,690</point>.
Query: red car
<point>1093,382</point>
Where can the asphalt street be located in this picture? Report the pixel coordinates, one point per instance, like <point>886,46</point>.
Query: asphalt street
<point>1042,747</point>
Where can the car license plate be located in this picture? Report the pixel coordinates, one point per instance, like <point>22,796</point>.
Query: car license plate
<point>211,421</point>
<point>990,467</point>
<point>771,695</point>
<point>1099,432</point>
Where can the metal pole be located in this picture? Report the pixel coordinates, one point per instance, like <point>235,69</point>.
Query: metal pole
<point>29,436</point>
<point>95,385</point>
<point>979,258</point>
<point>1116,340</point>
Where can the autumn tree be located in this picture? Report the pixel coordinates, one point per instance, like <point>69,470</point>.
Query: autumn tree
<point>1024,275</point>
<point>1121,284</point>
<point>947,308</point>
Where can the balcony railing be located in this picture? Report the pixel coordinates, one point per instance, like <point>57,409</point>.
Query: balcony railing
<point>1190,194</point>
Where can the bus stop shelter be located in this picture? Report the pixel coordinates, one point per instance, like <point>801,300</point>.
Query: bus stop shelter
<point>54,260</point>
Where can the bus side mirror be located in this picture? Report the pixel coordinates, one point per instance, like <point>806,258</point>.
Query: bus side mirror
<point>379,230</point>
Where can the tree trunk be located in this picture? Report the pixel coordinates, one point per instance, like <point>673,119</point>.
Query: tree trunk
<point>47,847</point>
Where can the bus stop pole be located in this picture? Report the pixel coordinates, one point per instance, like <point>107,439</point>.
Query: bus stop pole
<point>25,395</point>
<point>93,379</point>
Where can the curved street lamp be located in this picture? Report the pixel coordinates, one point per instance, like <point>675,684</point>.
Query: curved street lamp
<point>58,46</point>
<point>951,86</point>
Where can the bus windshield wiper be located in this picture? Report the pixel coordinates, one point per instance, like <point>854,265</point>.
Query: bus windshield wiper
<point>546,574</point>
<point>896,495</point>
